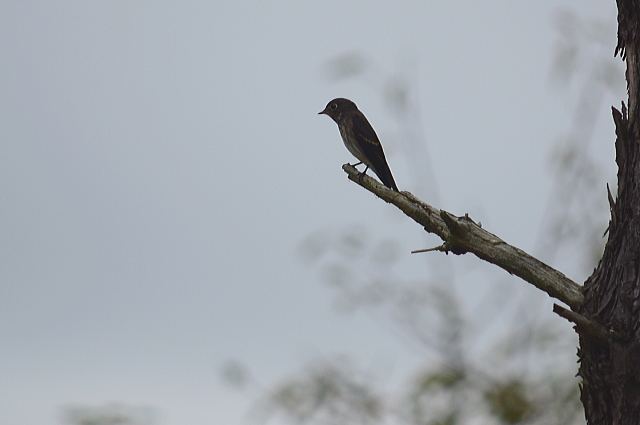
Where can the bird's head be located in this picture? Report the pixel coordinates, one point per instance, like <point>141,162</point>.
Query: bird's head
<point>337,108</point>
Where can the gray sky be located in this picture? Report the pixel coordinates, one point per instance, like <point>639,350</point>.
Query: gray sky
<point>160,164</point>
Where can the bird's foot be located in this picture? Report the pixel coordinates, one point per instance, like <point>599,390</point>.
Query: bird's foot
<point>362,174</point>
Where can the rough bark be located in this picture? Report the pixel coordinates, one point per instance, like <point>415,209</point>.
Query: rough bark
<point>610,368</point>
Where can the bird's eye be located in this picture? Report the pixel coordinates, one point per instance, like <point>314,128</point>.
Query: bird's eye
<point>333,106</point>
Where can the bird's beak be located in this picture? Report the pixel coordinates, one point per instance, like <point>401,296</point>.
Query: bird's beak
<point>322,112</point>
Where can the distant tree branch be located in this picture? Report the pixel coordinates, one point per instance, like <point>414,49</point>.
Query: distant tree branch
<point>461,235</point>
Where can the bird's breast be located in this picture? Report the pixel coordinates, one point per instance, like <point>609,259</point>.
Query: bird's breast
<point>350,141</point>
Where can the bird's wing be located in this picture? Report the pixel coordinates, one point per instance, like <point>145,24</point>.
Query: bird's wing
<point>370,145</point>
<point>367,139</point>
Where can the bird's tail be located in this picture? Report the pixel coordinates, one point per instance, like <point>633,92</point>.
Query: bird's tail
<point>386,178</point>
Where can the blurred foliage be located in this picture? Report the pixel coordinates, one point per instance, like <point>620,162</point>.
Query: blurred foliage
<point>333,392</point>
<point>234,374</point>
<point>111,414</point>
<point>348,65</point>
<point>458,386</point>
<point>509,402</point>
<point>326,393</point>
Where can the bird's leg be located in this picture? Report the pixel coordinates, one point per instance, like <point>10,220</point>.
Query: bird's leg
<point>361,175</point>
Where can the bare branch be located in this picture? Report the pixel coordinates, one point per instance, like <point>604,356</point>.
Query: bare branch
<point>462,235</point>
<point>587,328</point>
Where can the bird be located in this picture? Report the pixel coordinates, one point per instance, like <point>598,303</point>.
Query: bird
<point>360,138</point>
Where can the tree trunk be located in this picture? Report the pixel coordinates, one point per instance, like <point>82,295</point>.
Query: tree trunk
<point>610,369</point>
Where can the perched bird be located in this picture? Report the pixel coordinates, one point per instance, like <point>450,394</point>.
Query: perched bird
<point>360,138</point>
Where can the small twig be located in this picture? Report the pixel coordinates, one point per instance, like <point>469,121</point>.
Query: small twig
<point>585,327</point>
<point>441,248</point>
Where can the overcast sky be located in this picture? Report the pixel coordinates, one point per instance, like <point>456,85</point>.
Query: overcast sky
<point>161,163</point>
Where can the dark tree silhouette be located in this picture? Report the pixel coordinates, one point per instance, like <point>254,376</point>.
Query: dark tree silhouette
<point>610,366</point>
